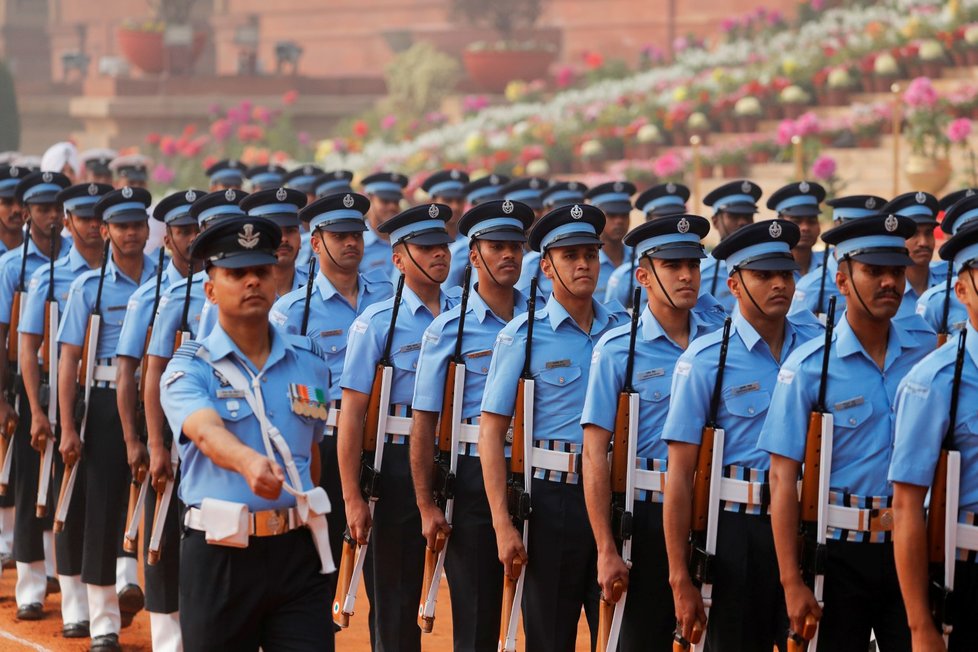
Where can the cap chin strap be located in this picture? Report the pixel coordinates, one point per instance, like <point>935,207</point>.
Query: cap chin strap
<point>971,275</point>
<point>661,286</point>
<point>177,254</point>
<point>750,296</point>
<point>322,240</point>
<point>420,269</point>
<point>485,265</point>
<point>852,282</point>
<point>557,274</point>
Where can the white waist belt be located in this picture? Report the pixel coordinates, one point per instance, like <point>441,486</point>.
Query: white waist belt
<point>541,458</point>
<point>650,480</point>
<point>469,433</point>
<point>104,373</point>
<point>967,537</point>
<point>195,521</point>
<point>741,491</point>
<point>860,519</point>
<point>333,418</point>
<point>398,425</point>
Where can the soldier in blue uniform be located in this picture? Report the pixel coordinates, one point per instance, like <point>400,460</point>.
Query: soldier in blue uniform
<point>483,189</point>
<point>95,164</point>
<point>560,569</point>
<point>131,169</point>
<point>106,568</point>
<point>801,203</point>
<point>556,195</point>
<point>281,205</point>
<point>870,353</point>
<point>923,420</point>
<point>385,190</point>
<point>657,201</point>
<point>33,548</point>
<point>748,610</point>
<point>669,253</point>
<point>614,198</point>
<point>734,206</point>
<point>528,190</point>
<point>393,575</point>
<point>265,177</point>
<point>339,294</point>
<point>814,289</point>
<point>11,215</point>
<point>448,187</point>
<point>331,183</point>
<point>495,233</point>
<point>922,208</point>
<point>303,179</point>
<point>254,557</point>
<point>85,254</point>
<point>226,174</point>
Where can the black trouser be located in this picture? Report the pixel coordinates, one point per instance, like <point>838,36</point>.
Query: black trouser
<point>862,594</point>
<point>28,529</point>
<point>329,479</point>
<point>964,636</point>
<point>475,575</point>
<point>70,541</point>
<point>650,618</point>
<point>269,595</point>
<point>163,578</point>
<point>396,558</point>
<point>561,573</point>
<point>7,500</point>
<point>107,479</point>
<point>748,610</point>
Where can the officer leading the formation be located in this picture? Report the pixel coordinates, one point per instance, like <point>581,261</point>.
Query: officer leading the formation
<point>255,553</point>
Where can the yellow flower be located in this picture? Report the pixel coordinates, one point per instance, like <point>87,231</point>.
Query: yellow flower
<point>323,149</point>
<point>474,143</point>
<point>911,27</point>
<point>718,74</point>
<point>515,90</point>
<point>789,65</point>
<point>680,93</point>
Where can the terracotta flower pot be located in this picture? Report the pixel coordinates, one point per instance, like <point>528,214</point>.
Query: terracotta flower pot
<point>145,51</point>
<point>733,170</point>
<point>883,82</point>
<point>837,96</point>
<point>931,69</point>
<point>793,111</point>
<point>971,56</point>
<point>492,70</point>
<point>747,123</point>
<point>928,174</point>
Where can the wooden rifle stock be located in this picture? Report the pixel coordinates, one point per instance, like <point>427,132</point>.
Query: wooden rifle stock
<point>941,339</point>
<point>63,496</point>
<point>680,644</point>
<point>430,561</point>
<point>812,465</point>
<point>509,596</point>
<point>606,612</point>
<point>131,544</point>
<point>343,579</point>
<point>701,484</point>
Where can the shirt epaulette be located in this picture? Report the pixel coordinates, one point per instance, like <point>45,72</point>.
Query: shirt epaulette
<point>188,350</point>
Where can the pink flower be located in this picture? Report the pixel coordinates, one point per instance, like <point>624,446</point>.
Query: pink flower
<point>162,174</point>
<point>168,146</point>
<point>153,139</point>
<point>214,110</point>
<point>221,130</point>
<point>435,118</point>
<point>388,122</point>
<point>920,93</point>
<point>290,97</point>
<point>262,114</point>
<point>807,124</point>
<point>474,103</point>
<point>823,168</point>
<point>668,165</point>
<point>564,77</point>
<point>245,106</point>
<point>304,138</point>
<point>959,130</point>
<point>786,131</point>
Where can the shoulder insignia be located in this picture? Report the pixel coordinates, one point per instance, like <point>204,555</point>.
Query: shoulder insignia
<point>308,344</point>
<point>188,350</point>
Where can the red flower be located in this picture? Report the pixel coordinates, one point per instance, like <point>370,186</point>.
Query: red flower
<point>290,97</point>
<point>153,138</point>
<point>593,60</point>
<point>361,128</point>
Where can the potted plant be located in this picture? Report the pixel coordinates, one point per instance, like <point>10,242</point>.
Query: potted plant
<point>927,118</point>
<point>492,65</point>
<point>886,70</point>
<point>748,112</point>
<point>971,44</point>
<point>167,42</point>
<point>838,85</point>
<point>794,99</point>
<point>697,124</point>
<point>592,155</point>
<point>931,54</point>
<point>647,139</point>
<point>732,161</point>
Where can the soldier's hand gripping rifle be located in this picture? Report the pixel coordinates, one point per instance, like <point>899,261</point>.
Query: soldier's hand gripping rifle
<point>49,374</point>
<point>14,380</point>
<point>518,486</point>
<point>165,497</point>
<point>371,459</point>
<point>942,516</point>
<point>706,502</point>
<point>140,481</point>
<point>86,370</point>
<point>446,463</point>
<point>623,455</point>
<point>815,493</point>
<point>944,331</point>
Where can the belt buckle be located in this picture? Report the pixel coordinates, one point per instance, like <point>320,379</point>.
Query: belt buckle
<point>881,520</point>
<point>271,522</point>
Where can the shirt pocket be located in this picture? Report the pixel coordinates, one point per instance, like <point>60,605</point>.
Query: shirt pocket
<point>748,405</point>
<point>332,343</point>
<point>655,389</point>
<point>559,376</point>
<point>406,360</point>
<point>847,414</point>
<point>233,409</point>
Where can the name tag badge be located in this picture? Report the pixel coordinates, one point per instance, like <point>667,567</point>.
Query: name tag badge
<point>651,373</point>
<point>557,364</point>
<point>338,331</point>
<point>308,401</point>
<point>744,389</point>
<point>850,403</point>
<point>407,348</point>
<point>479,354</point>
<point>230,393</point>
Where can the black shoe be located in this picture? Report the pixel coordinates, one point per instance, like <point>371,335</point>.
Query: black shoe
<point>7,561</point>
<point>131,602</point>
<point>75,630</point>
<point>54,586</point>
<point>32,611</point>
<point>106,643</point>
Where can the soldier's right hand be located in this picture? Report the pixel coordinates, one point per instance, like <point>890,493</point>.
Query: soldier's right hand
<point>509,543</point>
<point>611,569</point>
<point>358,519</point>
<point>160,468</point>
<point>264,477</point>
<point>40,431</point>
<point>70,447</point>
<point>689,607</point>
<point>433,521</point>
<point>800,601</point>
<point>927,639</point>
<point>7,413</point>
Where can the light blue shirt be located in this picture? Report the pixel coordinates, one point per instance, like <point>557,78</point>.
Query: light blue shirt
<point>305,249</point>
<point>460,258</point>
<point>376,254</point>
<point>531,269</point>
<point>560,362</point>
<point>10,264</point>
<point>139,314</point>
<point>368,335</point>
<point>713,280</point>
<point>923,413</point>
<point>190,384</point>
<point>748,381</point>
<point>655,359</point>
<point>858,394</point>
<point>807,291</point>
<point>116,291</point>
<point>930,306</point>
<point>607,270</point>
<point>938,276</point>
<point>481,327</point>
<point>330,317</point>
<point>620,283</point>
<point>169,314</point>
<point>66,269</point>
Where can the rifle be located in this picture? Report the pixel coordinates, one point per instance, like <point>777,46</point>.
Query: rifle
<point>309,284</point>
<point>374,430</point>
<point>821,282</point>
<point>49,368</point>
<point>446,463</point>
<point>139,484</point>
<point>943,333</point>
<point>815,491</point>
<point>518,486</point>
<point>86,369</point>
<point>623,454</point>
<point>942,516</point>
<point>165,497</point>
<point>706,501</point>
<point>13,365</point>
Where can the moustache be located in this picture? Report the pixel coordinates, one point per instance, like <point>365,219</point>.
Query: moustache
<point>882,294</point>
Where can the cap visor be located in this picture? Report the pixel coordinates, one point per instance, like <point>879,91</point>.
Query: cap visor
<point>138,176</point>
<point>884,259</point>
<point>801,211</point>
<point>127,217</point>
<point>772,265</point>
<point>504,235</point>
<point>574,240</point>
<point>923,220</point>
<point>245,259</point>
<point>430,239</point>
<point>83,211</point>
<point>343,226</point>
<point>740,209</point>
<point>448,194</point>
<point>43,198</point>
<point>387,195</point>
<point>616,208</point>
<point>679,253</point>
<point>284,219</point>
<point>666,211</point>
<point>183,220</point>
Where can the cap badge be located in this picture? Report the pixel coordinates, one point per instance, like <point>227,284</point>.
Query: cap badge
<point>230,195</point>
<point>190,197</point>
<point>683,225</point>
<point>433,211</point>
<point>507,207</point>
<point>454,174</point>
<point>92,189</point>
<point>891,223</point>
<point>577,212</point>
<point>338,174</point>
<point>920,197</point>
<point>348,201</point>
<point>871,203</point>
<point>618,187</point>
<point>281,194</point>
<point>47,177</point>
<point>127,192</point>
<point>670,188</point>
<point>969,192</point>
<point>493,180</point>
<point>307,170</point>
<point>774,230</point>
<point>15,171</point>
<point>232,163</point>
<point>572,185</point>
<point>803,187</point>
<point>248,238</point>
<point>745,186</point>
<point>534,183</point>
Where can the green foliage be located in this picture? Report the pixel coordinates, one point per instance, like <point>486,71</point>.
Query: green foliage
<point>503,16</point>
<point>9,116</point>
<point>418,79</point>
